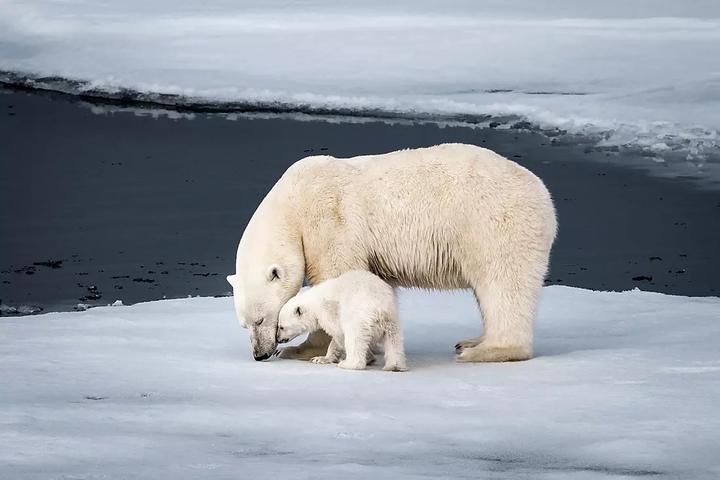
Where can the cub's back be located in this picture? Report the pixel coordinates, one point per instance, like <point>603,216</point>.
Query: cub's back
<point>360,290</point>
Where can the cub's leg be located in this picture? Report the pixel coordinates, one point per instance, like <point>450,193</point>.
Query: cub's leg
<point>394,347</point>
<point>355,356</point>
<point>333,355</point>
<point>357,346</point>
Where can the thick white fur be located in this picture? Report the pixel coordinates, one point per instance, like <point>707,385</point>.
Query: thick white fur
<point>444,217</point>
<point>357,309</point>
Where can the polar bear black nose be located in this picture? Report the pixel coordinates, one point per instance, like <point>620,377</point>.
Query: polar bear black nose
<point>262,357</point>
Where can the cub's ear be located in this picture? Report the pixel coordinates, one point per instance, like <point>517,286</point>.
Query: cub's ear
<point>232,280</point>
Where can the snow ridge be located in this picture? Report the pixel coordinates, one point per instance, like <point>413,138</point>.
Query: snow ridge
<point>643,75</point>
<point>662,140</point>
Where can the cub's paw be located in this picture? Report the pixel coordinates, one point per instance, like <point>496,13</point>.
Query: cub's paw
<point>321,359</point>
<point>395,367</point>
<point>351,365</point>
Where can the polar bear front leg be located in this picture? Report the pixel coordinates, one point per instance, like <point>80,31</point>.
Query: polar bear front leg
<point>334,354</point>
<point>316,344</point>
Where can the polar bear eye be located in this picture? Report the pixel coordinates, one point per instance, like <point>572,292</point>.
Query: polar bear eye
<point>298,312</point>
<point>274,275</point>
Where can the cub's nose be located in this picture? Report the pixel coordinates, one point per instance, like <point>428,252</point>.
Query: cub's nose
<point>262,357</point>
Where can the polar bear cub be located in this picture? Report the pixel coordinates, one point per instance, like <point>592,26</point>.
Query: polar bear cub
<point>357,309</point>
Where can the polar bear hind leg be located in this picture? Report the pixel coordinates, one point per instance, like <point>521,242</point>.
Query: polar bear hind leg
<point>508,301</point>
<point>508,323</point>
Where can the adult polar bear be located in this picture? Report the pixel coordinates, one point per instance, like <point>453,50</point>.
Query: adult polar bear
<point>446,217</point>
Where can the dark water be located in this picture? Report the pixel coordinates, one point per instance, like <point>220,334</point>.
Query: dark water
<point>99,207</point>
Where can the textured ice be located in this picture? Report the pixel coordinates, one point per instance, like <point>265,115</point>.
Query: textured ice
<point>634,73</point>
<point>19,310</point>
<point>623,385</point>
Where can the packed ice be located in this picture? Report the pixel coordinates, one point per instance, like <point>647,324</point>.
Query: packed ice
<point>623,385</point>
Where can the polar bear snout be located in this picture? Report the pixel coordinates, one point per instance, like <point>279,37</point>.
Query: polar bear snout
<point>261,354</point>
<point>262,339</point>
<point>264,356</point>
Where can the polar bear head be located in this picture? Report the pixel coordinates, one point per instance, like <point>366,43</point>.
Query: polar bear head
<point>269,271</point>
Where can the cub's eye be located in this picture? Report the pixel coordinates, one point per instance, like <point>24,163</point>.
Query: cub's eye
<point>282,328</point>
<point>274,275</point>
<point>259,321</point>
<point>298,312</point>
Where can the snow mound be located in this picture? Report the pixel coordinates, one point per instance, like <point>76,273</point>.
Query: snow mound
<point>623,385</point>
<point>638,76</point>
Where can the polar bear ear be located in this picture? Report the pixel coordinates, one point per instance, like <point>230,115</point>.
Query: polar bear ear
<point>274,272</point>
<point>232,280</point>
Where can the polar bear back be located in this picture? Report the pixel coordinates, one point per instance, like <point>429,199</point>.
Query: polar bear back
<point>436,217</point>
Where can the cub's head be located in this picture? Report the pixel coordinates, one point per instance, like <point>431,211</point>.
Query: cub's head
<point>295,319</point>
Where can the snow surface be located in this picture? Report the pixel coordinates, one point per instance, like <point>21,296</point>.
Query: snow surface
<point>623,385</point>
<point>644,73</point>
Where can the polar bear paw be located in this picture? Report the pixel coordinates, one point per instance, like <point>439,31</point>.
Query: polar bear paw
<point>489,353</point>
<point>463,344</point>
<point>321,360</point>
